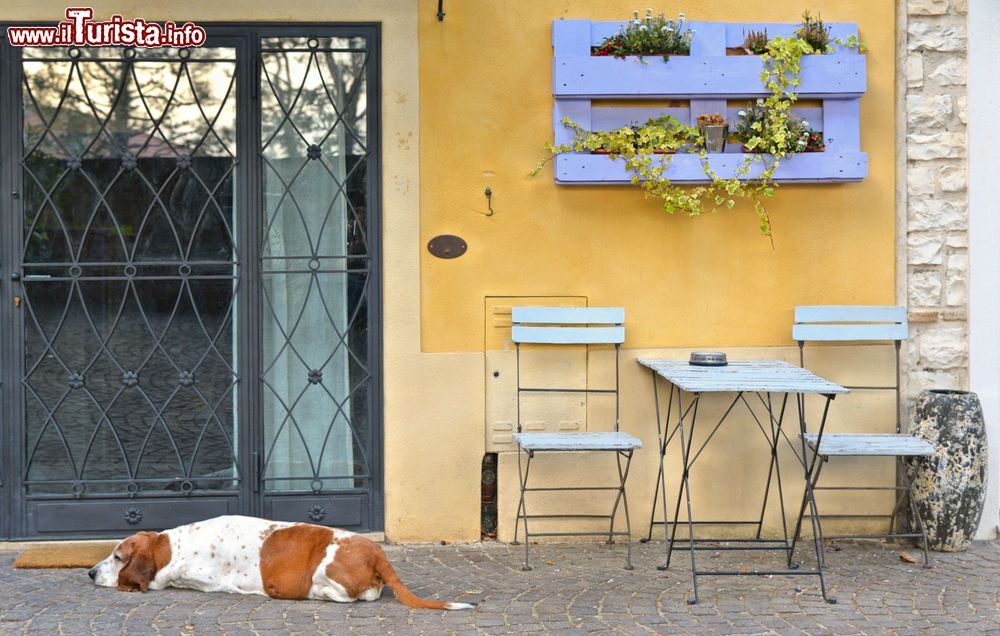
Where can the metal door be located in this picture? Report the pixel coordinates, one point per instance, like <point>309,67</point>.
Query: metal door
<point>141,185</point>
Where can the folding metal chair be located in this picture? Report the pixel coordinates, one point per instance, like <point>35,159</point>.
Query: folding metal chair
<point>862,324</point>
<point>572,326</point>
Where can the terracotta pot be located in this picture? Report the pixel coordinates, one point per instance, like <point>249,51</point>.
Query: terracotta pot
<point>950,486</point>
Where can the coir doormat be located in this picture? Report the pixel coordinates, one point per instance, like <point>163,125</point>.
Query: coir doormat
<point>66,555</point>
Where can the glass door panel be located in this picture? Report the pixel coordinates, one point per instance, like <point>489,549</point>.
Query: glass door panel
<point>129,271</point>
<point>315,380</point>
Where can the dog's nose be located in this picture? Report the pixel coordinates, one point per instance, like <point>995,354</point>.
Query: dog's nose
<point>92,573</point>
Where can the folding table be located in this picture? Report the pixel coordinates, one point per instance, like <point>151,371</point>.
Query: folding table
<point>763,387</point>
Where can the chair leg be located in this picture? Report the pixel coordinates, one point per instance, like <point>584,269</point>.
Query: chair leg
<point>623,477</point>
<point>522,509</point>
<point>920,522</point>
<point>802,512</point>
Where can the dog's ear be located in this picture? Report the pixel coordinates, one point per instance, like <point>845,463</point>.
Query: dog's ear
<point>140,568</point>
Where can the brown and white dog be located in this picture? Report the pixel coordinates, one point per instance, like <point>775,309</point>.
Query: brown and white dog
<point>255,556</point>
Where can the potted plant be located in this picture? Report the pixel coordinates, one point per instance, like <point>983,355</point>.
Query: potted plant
<point>755,42</point>
<point>714,130</point>
<point>762,129</point>
<point>814,33</point>
<point>658,136</point>
<point>654,35</point>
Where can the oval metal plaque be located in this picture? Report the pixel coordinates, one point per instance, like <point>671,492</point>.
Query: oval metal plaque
<point>447,246</point>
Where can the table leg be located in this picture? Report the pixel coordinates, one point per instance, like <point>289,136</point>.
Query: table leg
<point>775,438</point>
<point>686,489</point>
<point>661,429</point>
<point>810,495</point>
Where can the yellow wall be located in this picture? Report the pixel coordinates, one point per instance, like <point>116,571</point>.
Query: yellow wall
<point>468,105</point>
<point>485,112</point>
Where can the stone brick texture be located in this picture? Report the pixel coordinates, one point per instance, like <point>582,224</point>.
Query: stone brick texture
<point>937,198</point>
<point>574,589</point>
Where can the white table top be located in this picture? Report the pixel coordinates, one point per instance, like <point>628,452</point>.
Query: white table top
<point>774,376</point>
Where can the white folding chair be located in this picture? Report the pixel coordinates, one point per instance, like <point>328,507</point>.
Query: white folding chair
<point>862,324</point>
<point>572,326</point>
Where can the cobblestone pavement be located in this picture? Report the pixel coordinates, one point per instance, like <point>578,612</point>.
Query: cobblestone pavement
<point>574,589</point>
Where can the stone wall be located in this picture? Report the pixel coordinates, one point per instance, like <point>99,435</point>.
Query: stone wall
<point>937,260</point>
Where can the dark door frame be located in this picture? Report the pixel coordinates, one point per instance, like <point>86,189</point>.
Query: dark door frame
<point>246,38</point>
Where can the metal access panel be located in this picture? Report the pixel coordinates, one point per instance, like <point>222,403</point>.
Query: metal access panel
<point>540,412</point>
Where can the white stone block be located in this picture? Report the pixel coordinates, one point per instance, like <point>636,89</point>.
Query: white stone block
<point>941,145</point>
<point>933,36</point>
<point>919,181</point>
<point>960,7</point>
<point>952,178</point>
<point>928,111</point>
<point>951,72</point>
<point>957,276</point>
<point>943,347</point>
<point>924,249</point>
<point>926,7</point>
<point>930,213</point>
<point>923,379</point>
<point>914,70</point>
<point>957,240</point>
<point>924,289</point>
<point>962,108</point>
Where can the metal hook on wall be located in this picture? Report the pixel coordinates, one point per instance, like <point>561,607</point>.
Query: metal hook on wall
<point>440,10</point>
<point>489,204</point>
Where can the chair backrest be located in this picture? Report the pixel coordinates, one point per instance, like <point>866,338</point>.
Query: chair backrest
<point>849,323</point>
<point>548,325</point>
<point>568,326</point>
<point>853,323</point>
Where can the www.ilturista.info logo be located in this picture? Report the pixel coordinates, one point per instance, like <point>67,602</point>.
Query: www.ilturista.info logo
<point>80,30</point>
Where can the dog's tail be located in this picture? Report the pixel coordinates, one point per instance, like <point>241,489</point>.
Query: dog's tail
<point>384,569</point>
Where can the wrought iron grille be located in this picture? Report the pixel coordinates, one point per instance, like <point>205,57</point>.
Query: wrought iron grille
<point>129,271</point>
<point>315,265</point>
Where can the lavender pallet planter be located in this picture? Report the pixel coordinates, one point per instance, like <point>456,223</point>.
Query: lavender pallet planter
<point>686,168</point>
<point>707,72</point>
<point>707,79</point>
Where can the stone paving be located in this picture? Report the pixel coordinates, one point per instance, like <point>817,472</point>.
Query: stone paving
<point>574,589</point>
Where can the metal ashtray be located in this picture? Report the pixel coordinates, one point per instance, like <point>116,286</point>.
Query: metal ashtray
<point>708,359</point>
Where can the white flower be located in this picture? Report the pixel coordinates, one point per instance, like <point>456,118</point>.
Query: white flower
<point>760,102</point>
<point>680,16</point>
<point>637,22</point>
<point>643,27</point>
<point>664,29</point>
<point>743,113</point>
<point>805,123</point>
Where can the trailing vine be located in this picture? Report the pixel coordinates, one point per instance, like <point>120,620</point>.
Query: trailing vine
<point>648,149</point>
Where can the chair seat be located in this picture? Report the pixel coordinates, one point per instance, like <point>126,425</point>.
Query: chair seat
<point>577,441</point>
<point>872,445</point>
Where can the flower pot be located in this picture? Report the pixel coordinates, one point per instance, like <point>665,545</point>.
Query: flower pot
<point>950,485</point>
<point>715,137</point>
